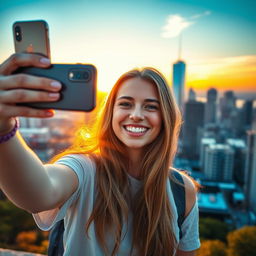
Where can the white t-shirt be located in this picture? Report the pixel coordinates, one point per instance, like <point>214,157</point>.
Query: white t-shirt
<point>77,209</point>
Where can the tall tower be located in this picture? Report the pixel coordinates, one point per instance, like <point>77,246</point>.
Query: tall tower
<point>247,112</point>
<point>193,121</point>
<point>227,105</point>
<point>191,95</point>
<point>210,106</point>
<point>240,150</point>
<point>178,82</point>
<point>178,79</point>
<point>250,170</point>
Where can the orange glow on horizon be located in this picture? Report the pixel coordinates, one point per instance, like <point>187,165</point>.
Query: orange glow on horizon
<point>234,73</point>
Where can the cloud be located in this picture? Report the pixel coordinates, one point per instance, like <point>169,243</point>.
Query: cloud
<point>196,16</point>
<point>175,24</point>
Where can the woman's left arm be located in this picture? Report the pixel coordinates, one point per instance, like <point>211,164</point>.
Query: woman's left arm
<point>191,197</point>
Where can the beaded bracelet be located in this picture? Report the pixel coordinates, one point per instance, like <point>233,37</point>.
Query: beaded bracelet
<point>10,134</point>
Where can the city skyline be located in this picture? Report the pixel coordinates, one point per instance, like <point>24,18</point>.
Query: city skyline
<point>217,39</point>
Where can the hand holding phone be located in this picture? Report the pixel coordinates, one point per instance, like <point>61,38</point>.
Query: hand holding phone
<point>78,81</point>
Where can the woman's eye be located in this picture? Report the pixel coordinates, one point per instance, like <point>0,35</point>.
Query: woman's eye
<point>124,104</point>
<point>151,107</point>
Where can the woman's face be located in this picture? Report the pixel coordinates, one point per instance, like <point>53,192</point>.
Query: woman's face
<point>137,117</point>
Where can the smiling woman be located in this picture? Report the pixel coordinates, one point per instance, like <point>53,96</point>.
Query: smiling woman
<point>114,194</point>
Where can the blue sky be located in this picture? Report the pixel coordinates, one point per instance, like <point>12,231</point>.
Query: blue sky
<point>119,35</point>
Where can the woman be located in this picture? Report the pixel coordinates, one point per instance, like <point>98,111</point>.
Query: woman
<point>114,194</point>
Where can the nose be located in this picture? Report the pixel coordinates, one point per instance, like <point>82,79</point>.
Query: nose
<point>136,115</point>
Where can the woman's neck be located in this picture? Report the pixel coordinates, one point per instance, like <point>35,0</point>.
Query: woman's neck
<point>134,169</point>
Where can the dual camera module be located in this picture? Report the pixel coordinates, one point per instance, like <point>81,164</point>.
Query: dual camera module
<point>79,75</point>
<point>18,35</point>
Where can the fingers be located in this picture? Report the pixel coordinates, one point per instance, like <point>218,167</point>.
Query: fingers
<point>20,88</point>
<point>21,96</point>
<point>28,82</point>
<point>23,60</point>
<point>9,111</point>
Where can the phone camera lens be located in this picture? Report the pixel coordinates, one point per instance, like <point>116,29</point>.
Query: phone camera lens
<point>86,75</point>
<point>79,75</point>
<point>18,33</point>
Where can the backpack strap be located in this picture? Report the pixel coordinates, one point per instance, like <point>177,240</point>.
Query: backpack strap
<point>178,191</point>
<point>56,247</point>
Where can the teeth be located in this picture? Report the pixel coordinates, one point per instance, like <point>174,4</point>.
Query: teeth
<point>135,129</point>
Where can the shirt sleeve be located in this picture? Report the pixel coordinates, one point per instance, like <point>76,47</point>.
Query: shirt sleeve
<point>190,231</point>
<point>45,220</point>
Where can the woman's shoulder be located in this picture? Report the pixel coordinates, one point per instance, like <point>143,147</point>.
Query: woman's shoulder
<point>191,189</point>
<point>82,164</point>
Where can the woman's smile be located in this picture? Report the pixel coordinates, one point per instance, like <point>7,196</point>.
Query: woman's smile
<point>135,130</point>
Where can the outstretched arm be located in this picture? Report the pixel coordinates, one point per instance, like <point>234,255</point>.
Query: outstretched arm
<point>24,179</point>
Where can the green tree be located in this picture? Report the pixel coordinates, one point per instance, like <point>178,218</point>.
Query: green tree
<point>212,248</point>
<point>12,221</point>
<point>213,229</point>
<point>242,242</point>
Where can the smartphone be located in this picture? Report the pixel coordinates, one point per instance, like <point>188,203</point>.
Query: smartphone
<point>78,81</point>
<point>32,37</point>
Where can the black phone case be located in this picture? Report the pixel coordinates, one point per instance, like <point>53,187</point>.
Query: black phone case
<point>77,93</point>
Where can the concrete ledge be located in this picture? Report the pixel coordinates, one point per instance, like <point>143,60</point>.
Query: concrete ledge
<point>6,252</point>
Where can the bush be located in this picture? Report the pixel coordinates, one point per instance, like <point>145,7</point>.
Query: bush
<point>242,242</point>
<point>212,248</point>
<point>28,241</point>
<point>213,229</point>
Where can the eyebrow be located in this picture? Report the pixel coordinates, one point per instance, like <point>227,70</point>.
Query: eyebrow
<point>131,98</point>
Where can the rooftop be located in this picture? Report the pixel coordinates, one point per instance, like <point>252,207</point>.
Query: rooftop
<point>212,202</point>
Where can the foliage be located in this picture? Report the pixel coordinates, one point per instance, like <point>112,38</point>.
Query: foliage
<point>12,221</point>
<point>212,248</point>
<point>210,229</point>
<point>15,229</point>
<point>28,241</point>
<point>242,242</point>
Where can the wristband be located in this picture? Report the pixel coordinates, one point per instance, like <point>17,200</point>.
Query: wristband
<point>10,134</point>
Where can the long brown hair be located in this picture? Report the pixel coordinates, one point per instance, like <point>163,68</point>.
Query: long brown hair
<point>152,226</point>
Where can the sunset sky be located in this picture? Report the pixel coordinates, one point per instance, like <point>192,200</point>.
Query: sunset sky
<point>218,37</point>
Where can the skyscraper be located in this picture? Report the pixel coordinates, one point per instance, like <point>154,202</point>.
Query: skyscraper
<point>250,171</point>
<point>205,142</point>
<point>239,148</point>
<point>227,105</point>
<point>247,112</point>
<point>193,120</point>
<point>210,106</point>
<point>191,95</point>
<point>219,162</point>
<point>178,82</point>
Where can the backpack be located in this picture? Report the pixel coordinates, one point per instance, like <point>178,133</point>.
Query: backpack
<point>56,247</point>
